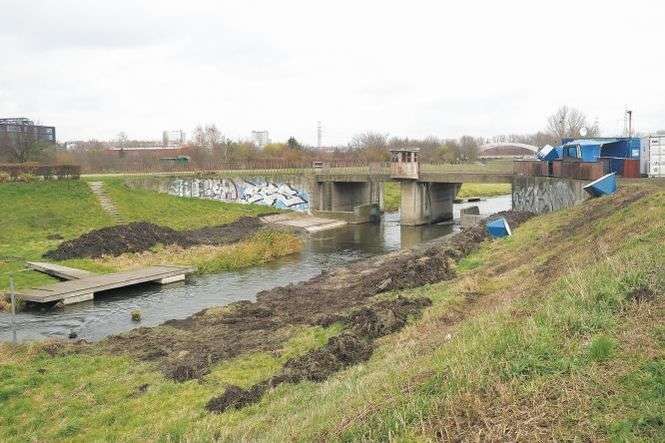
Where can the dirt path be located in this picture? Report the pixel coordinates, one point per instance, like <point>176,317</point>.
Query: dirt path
<point>105,201</point>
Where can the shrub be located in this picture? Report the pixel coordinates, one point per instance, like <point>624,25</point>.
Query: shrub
<point>5,177</point>
<point>136,315</point>
<point>25,178</point>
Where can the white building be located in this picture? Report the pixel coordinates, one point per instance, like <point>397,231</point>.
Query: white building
<point>261,138</point>
<point>173,139</point>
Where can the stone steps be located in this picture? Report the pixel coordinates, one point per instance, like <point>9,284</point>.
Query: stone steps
<point>106,203</point>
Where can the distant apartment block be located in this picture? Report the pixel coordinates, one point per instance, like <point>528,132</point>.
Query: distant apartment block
<point>173,139</point>
<point>261,138</point>
<point>21,128</point>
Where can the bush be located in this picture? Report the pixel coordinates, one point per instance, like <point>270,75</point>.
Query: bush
<point>45,171</point>
<point>136,315</point>
<point>25,178</point>
<point>5,177</point>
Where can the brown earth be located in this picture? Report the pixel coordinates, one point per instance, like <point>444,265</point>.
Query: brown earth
<point>341,351</point>
<point>186,349</point>
<point>141,236</point>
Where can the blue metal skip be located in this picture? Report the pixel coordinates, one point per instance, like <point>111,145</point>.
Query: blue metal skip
<point>605,185</point>
<point>498,228</point>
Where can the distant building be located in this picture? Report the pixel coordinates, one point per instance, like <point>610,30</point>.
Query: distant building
<point>173,139</point>
<point>507,150</point>
<point>15,128</point>
<point>261,138</point>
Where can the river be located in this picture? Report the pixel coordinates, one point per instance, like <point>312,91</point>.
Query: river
<point>109,313</point>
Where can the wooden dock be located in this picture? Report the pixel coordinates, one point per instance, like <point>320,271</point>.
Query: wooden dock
<point>84,287</point>
<point>63,272</point>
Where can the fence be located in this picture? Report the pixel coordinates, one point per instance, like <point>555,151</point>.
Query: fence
<point>46,171</point>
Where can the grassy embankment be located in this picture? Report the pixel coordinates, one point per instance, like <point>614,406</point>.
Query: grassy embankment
<point>37,216</point>
<point>554,333</point>
<point>392,197</point>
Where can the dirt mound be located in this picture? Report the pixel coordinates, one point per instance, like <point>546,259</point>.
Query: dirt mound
<point>342,351</point>
<point>185,349</point>
<point>236,398</point>
<point>141,236</point>
<point>385,317</point>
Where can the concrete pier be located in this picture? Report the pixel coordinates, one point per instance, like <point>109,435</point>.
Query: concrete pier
<point>352,201</point>
<point>424,202</point>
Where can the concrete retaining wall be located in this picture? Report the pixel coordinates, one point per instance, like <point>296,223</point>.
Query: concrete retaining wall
<point>546,194</point>
<point>289,192</point>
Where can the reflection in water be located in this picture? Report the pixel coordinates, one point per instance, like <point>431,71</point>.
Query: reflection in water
<point>109,313</point>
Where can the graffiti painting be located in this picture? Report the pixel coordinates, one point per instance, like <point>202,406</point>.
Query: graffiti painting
<point>255,191</point>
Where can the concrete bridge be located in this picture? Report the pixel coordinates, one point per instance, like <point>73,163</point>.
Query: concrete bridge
<point>426,196</point>
<point>352,194</point>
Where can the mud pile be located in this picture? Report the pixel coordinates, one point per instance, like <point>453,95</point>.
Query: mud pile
<point>185,349</point>
<point>342,351</point>
<point>141,236</point>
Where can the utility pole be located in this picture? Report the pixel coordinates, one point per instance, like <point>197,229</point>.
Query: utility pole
<point>630,123</point>
<point>319,134</point>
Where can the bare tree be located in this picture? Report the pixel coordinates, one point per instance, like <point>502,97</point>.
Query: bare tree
<point>373,146</point>
<point>122,139</point>
<point>568,123</point>
<point>468,148</point>
<point>21,147</point>
<point>213,136</point>
<point>199,137</point>
<point>207,137</point>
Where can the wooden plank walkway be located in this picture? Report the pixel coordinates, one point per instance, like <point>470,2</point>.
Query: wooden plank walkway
<point>63,272</point>
<point>82,289</point>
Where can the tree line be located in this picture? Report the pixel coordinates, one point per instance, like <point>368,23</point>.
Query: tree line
<point>208,145</point>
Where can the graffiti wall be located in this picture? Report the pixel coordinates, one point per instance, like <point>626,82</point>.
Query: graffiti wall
<point>238,190</point>
<point>545,194</point>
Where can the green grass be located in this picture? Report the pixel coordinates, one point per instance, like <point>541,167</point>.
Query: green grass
<point>392,197</point>
<point>32,212</point>
<point>484,190</point>
<point>178,213</point>
<point>97,398</point>
<point>539,338</point>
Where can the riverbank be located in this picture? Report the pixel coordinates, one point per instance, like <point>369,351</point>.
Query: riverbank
<point>41,216</point>
<point>552,334</point>
<point>392,196</point>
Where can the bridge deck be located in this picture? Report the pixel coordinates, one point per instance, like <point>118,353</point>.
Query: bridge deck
<point>82,289</point>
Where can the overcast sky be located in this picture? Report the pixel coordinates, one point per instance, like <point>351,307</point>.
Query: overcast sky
<point>415,68</point>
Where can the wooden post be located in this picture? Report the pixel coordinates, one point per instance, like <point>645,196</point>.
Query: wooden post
<point>12,294</point>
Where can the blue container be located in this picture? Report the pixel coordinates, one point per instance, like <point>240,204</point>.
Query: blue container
<point>605,185</point>
<point>498,228</point>
<point>547,153</point>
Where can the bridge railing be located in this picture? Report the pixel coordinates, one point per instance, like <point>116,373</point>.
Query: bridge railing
<point>276,167</point>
